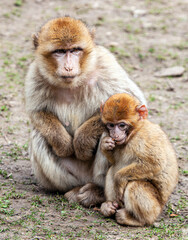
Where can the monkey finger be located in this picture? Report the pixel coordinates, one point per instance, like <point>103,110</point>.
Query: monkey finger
<point>111,146</point>
<point>109,140</point>
<point>110,143</point>
<point>108,146</point>
<point>115,204</point>
<point>113,143</point>
<point>108,209</point>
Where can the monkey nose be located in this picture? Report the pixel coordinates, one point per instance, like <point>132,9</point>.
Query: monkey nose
<point>68,69</point>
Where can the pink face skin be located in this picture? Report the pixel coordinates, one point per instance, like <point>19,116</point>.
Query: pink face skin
<point>68,61</point>
<point>118,131</point>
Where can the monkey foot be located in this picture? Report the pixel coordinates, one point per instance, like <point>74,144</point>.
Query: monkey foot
<point>72,195</point>
<point>109,208</point>
<point>125,218</point>
<point>89,195</point>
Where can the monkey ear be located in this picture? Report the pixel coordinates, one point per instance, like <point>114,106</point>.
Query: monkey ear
<point>142,111</point>
<point>35,40</point>
<point>92,32</point>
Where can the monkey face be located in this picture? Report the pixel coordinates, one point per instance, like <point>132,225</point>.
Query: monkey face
<point>118,131</point>
<point>68,63</point>
<point>64,49</point>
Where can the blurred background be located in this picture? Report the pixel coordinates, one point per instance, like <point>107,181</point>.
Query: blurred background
<point>150,40</point>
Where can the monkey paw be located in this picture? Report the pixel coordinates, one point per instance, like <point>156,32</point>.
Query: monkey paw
<point>107,144</point>
<point>120,216</point>
<point>72,195</point>
<point>63,152</point>
<point>109,208</point>
<point>90,195</point>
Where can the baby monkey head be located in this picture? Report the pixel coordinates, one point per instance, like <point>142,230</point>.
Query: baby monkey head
<point>121,114</point>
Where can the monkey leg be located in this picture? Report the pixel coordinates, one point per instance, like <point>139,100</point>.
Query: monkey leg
<point>109,207</point>
<point>91,195</point>
<point>65,174</point>
<point>93,192</point>
<point>72,195</point>
<point>142,206</point>
<point>88,195</point>
<point>123,217</point>
<point>56,173</point>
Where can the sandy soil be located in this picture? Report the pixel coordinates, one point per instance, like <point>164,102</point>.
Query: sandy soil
<point>146,36</point>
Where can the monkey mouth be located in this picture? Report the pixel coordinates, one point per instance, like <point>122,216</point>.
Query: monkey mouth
<point>68,79</point>
<point>68,76</point>
<point>119,142</point>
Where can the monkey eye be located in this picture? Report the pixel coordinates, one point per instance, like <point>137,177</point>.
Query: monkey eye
<point>60,51</point>
<point>122,126</point>
<point>75,50</point>
<point>110,125</point>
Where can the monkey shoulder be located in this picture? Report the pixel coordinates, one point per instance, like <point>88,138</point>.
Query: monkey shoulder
<point>152,129</point>
<point>103,52</point>
<point>37,91</point>
<point>151,132</point>
<point>111,72</point>
<point>150,142</point>
<point>31,93</point>
<point>107,61</point>
<point>33,72</point>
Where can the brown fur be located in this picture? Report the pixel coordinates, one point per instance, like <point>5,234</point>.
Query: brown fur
<point>66,128</point>
<point>54,132</point>
<point>85,142</point>
<point>85,195</point>
<point>119,108</point>
<point>73,33</point>
<point>144,169</point>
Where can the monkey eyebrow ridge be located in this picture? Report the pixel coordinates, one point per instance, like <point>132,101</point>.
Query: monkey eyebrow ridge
<point>68,49</point>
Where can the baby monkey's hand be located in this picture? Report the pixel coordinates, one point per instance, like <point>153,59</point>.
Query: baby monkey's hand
<point>107,144</point>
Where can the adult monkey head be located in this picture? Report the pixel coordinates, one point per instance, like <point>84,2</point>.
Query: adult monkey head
<point>65,51</point>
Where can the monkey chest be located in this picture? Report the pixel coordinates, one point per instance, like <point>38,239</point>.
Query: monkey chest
<point>73,109</point>
<point>74,115</point>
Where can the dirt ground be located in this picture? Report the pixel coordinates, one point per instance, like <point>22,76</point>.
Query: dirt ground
<point>146,36</point>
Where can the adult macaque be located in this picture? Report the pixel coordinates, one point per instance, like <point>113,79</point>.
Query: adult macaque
<point>143,170</point>
<point>66,83</point>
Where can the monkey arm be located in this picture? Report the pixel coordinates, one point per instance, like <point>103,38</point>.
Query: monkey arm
<point>109,155</point>
<point>133,172</point>
<point>54,132</point>
<point>137,171</point>
<point>87,137</point>
<point>107,145</point>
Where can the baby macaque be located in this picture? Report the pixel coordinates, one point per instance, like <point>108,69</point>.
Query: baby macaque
<point>143,170</point>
